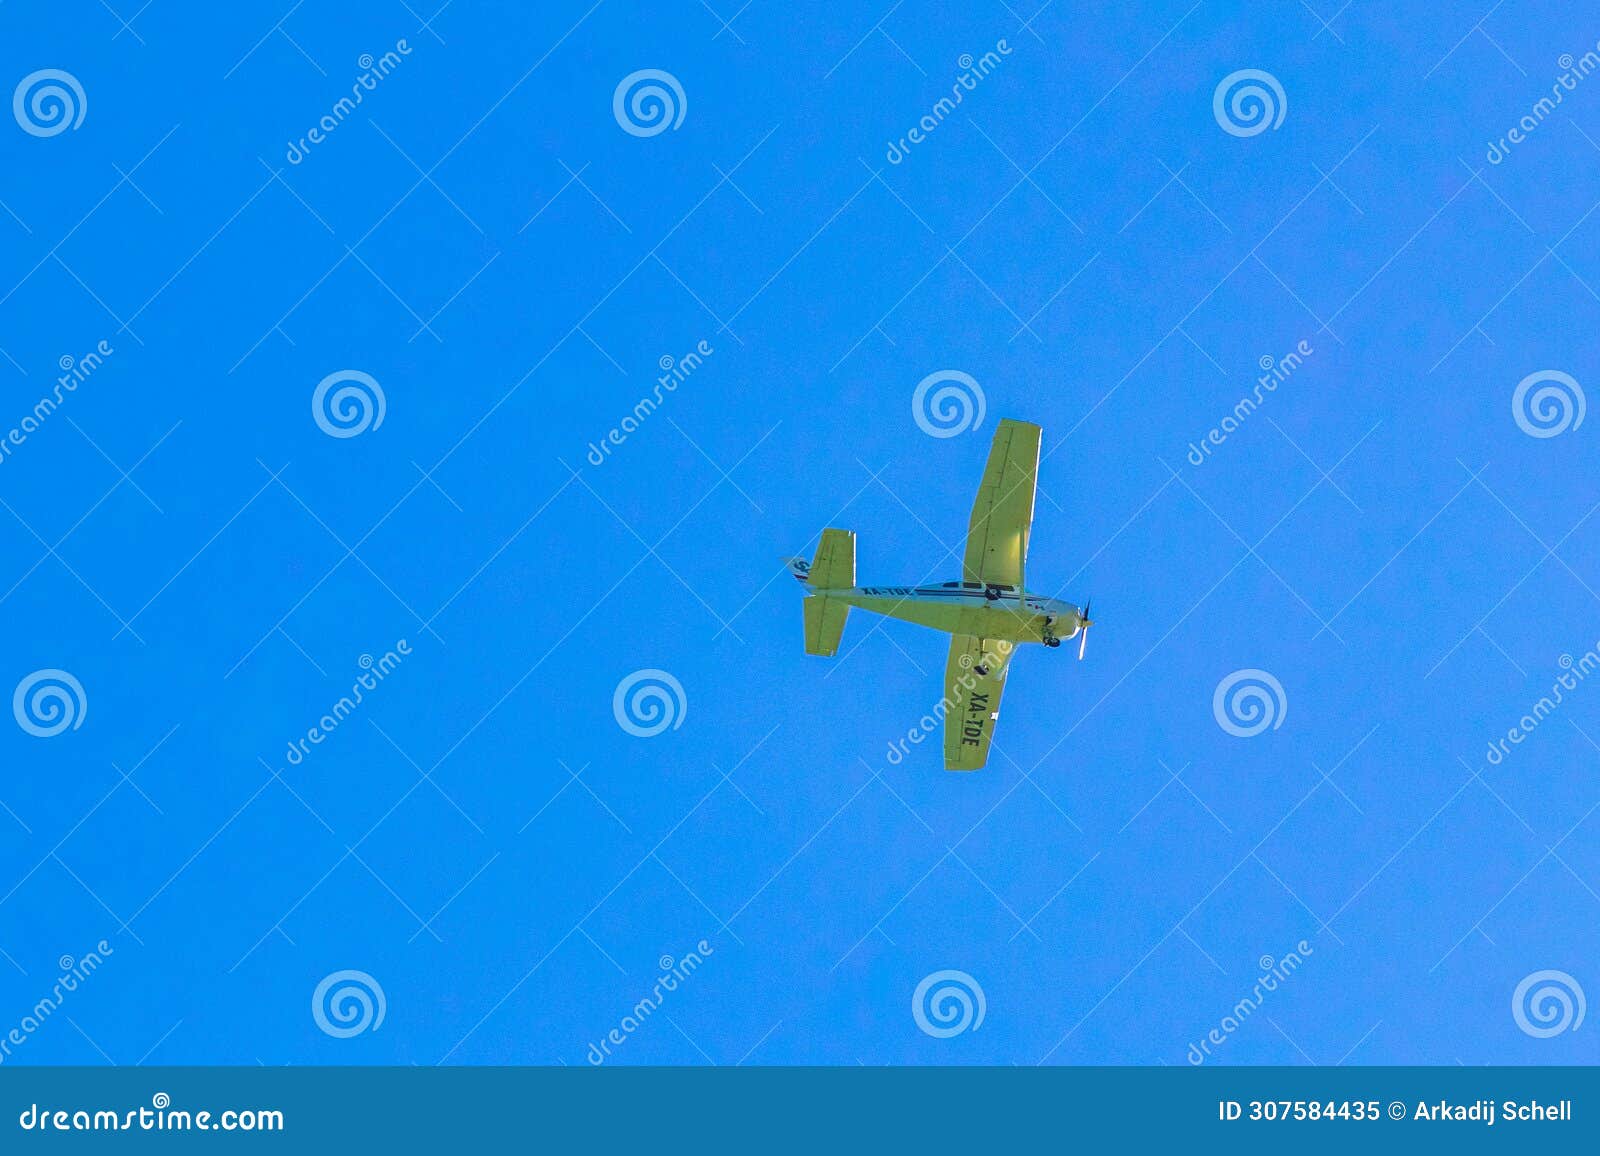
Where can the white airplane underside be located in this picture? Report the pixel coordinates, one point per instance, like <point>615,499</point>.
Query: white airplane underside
<point>988,612</point>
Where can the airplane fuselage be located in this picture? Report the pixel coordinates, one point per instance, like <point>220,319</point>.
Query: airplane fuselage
<point>970,608</point>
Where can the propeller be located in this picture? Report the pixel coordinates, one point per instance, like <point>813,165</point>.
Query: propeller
<point>1083,629</point>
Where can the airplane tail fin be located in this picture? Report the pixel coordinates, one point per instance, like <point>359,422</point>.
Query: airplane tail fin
<point>833,568</point>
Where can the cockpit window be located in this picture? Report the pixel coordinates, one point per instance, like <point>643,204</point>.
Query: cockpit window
<point>952,585</point>
<point>972,585</point>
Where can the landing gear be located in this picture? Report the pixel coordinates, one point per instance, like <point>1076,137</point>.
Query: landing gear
<point>1051,640</point>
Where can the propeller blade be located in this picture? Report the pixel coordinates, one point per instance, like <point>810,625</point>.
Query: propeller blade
<point>1083,629</point>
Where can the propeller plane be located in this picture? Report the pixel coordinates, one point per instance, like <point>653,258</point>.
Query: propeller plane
<point>988,612</point>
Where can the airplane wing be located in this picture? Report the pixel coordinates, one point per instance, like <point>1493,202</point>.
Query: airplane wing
<point>974,676</point>
<point>1002,515</point>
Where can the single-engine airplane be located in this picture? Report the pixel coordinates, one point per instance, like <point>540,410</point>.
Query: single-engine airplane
<point>988,612</point>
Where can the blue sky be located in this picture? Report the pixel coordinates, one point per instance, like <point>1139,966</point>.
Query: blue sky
<point>485,240</point>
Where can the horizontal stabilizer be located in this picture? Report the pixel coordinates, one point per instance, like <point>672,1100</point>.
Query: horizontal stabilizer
<point>824,625</point>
